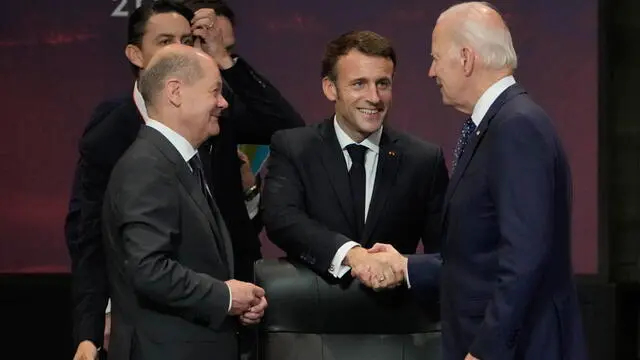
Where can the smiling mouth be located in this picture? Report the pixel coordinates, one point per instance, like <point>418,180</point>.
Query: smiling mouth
<point>369,111</point>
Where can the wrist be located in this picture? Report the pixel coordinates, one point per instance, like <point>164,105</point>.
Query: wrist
<point>224,61</point>
<point>253,190</point>
<point>353,255</point>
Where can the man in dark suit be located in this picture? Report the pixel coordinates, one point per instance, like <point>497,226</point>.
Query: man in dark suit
<point>507,287</point>
<point>255,112</point>
<point>169,255</point>
<point>335,188</point>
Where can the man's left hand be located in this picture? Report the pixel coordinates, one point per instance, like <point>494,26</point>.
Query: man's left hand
<point>203,26</point>
<point>470,357</point>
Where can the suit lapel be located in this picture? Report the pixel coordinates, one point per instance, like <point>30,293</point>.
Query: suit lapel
<point>206,152</point>
<point>388,163</point>
<point>336,166</point>
<point>190,183</point>
<point>222,234</point>
<point>476,139</point>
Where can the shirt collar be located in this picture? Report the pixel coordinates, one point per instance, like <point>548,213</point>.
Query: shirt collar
<point>139,100</point>
<point>489,97</point>
<point>372,142</point>
<point>181,144</point>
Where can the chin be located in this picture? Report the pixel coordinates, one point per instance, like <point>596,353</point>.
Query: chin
<point>214,128</point>
<point>370,127</point>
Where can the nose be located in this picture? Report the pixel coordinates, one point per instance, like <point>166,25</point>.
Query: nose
<point>222,102</point>
<point>373,96</point>
<point>432,71</point>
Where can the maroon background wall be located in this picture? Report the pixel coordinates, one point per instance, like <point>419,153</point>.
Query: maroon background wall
<point>59,59</point>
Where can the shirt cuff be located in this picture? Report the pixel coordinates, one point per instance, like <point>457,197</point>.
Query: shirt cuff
<point>252,206</point>
<point>108,309</point>
<point>230,300</point>
<point>406,275</point>
<point>337,269</point>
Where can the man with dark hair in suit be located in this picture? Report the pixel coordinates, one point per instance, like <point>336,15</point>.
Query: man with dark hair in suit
<point>169,255</point>
<point>256,110</point>
<point>506,282</point>
<point>335,188</point>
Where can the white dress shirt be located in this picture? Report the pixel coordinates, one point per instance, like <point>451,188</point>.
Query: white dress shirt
<point>480,110</point>
<point>489,97</point>
<point>181,144</point>
<point>372,143</point>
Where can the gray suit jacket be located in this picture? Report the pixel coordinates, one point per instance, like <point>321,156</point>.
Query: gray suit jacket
<point>168,255</point>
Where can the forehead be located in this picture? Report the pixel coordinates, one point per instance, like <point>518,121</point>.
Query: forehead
<point>358,65</point>
<point>167,24</point>
<point>442,33</point>
<point>436,34</point>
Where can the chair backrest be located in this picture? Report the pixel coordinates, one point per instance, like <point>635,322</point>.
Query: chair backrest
<point>313,318</point>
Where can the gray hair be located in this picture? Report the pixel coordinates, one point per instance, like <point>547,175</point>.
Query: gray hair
<point>493,44</point>
<point>185,67</point>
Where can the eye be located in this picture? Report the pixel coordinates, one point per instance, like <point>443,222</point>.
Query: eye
<point>188,41</point>
<point>384,84</point>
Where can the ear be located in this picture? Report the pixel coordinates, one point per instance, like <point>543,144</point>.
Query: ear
<point>134,54</point>
<point>329,89</point>
<point>468,59</point>
<point>173,87</point>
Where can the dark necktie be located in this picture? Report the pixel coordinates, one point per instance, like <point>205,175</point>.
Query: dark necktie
<point>467,129</point>
<point>357,180</point>
<point>198,172</point>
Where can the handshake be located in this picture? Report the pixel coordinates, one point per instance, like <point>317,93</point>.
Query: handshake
<point>380,267</point>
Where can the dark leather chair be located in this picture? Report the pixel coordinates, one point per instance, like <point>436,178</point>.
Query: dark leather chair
<point>313,318</point>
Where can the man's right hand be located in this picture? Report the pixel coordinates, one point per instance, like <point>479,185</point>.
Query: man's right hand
<point>244,295</point>
<point>86,351</point>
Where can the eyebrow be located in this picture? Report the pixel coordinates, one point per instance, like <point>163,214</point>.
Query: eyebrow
<point>172,36</point>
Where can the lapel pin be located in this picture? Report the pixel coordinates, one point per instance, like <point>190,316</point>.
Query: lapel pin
<point>392,153</point>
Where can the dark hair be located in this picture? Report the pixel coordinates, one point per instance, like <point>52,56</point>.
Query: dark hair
<point>366,42</point>
<point>140,17</point>
<point>219,6</point>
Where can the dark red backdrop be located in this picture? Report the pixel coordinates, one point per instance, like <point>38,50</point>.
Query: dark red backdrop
<point>59,59</point>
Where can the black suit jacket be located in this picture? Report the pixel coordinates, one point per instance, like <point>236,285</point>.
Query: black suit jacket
<point>307,206</point>
<point>168,254</point>
<point>256,110</point>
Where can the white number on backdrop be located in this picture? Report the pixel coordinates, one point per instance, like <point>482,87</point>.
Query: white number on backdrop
<point>120,8</point>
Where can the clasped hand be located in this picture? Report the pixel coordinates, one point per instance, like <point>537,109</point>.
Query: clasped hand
<point>248,301</point>
<point>381,267</point>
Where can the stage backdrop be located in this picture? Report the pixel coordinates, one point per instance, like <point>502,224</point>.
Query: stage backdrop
<point>58,59</point>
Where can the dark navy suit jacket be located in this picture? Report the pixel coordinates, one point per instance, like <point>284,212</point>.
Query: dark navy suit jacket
<point>506,282</point>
